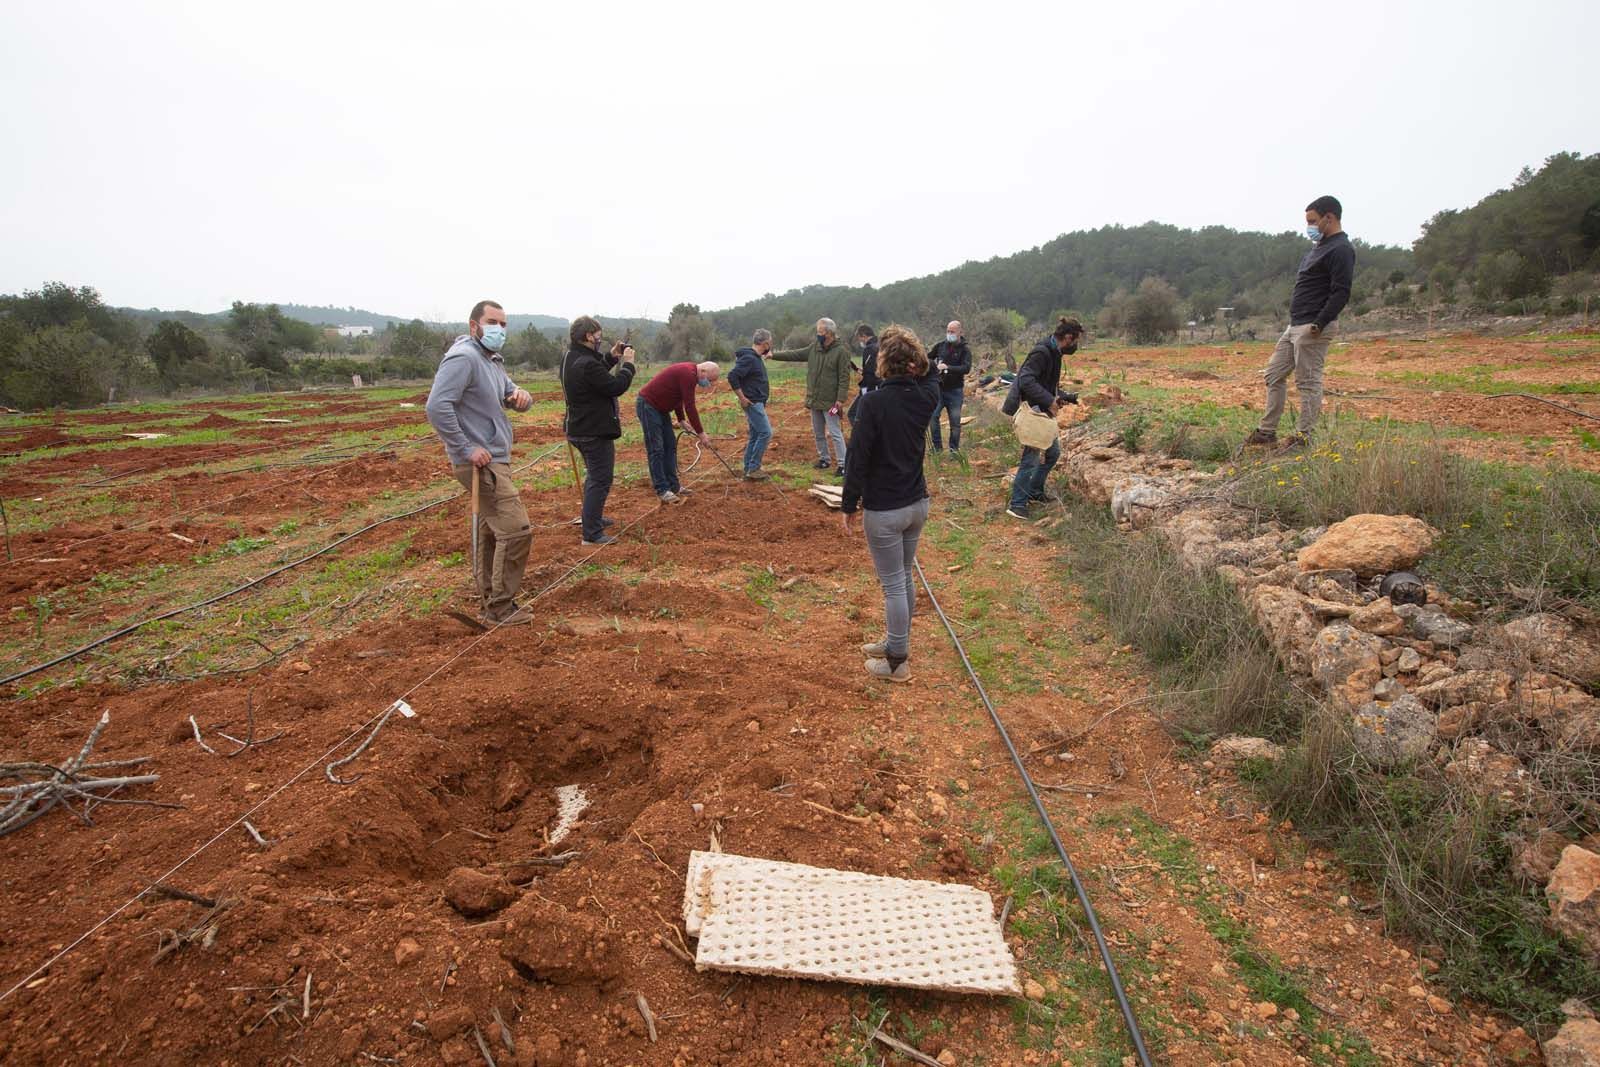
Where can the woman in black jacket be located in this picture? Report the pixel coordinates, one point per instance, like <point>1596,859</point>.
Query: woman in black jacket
<point>883,476</point>
<point>1038,384</point>
<point>591,383</point>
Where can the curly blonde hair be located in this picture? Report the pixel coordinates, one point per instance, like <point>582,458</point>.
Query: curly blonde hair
<point>900,353</point>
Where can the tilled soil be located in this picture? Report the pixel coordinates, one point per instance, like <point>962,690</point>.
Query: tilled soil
<point>700,678</point>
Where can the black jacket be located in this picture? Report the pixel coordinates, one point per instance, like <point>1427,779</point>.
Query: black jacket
<point>883,466</point>
<point>1040,375</point>
<point>957,359</point>
<point>869,366</point>
<point>1322,286</point>
<point>591,387</point>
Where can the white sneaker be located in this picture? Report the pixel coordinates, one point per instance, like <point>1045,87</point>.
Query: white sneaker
<point>875,649</point>
<point>879,668</point>
<point>669,497</point>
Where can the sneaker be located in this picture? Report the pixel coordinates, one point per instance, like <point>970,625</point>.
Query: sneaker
<point>879,668</point>
<point>606,522</point>
<point>875,649</point>
<point>669,497</point>
<point>515,617</point>
<point>757,475</point>
<point>603,539</point>
<point>838,472</point>
<point>1048,497</point>
<point>1261,437</point>
<point>1015,514</point>
<point>683,492</point>
<point>821,464</point>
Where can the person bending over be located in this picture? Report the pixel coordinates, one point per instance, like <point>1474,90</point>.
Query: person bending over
<point>671,393</point>
<point>883,478</point>
<point>1038,383</point>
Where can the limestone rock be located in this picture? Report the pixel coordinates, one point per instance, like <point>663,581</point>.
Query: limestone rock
<point>1555,645</point>
<point>1410,661</point>
<point>1341,654</point>
<point>1370,545</point>
<point>1378,618</point>
<point>474,893</point>
<point>1456,721</point>
<point>1388,691</point>
<point>1282,616</point>
<point>1488,687</point>
<point>1432,624</point>
<point>1388,734</point>
<point>1576,1044</point>
<point>1574,895</point>
<point>1534,859</point>
<point>1231,751</point>
<point>1489,773</point>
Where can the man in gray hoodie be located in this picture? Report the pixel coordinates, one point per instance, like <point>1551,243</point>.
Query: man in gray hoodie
<point>466,408</point>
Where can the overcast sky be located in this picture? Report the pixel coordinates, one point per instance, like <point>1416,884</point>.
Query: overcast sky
<point>619,158</point>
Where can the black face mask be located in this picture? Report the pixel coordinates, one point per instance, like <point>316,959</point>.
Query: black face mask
<point>1071,348</point>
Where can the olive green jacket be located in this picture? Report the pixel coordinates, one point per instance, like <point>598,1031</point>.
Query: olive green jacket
<point>827,372</point>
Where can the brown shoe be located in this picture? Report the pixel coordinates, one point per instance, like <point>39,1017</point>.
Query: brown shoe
<point>516,617</point>
<point>1261,437</point>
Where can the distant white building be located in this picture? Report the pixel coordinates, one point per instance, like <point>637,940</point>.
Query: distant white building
<point>355,331</point>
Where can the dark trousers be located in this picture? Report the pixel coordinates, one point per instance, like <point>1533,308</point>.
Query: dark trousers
<point>660,446</point>
<point>949,400</point>
<point>599,465</point>
<point>1034,467</point>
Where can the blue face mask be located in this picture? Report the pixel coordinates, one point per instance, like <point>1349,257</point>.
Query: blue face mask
<point>494,338</point>
<point>705,383</point>
<point>1314,233</point>
<point>822,339</point>
<point>952,338</point>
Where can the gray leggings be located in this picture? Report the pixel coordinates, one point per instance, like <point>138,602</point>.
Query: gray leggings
<point>892,539</point>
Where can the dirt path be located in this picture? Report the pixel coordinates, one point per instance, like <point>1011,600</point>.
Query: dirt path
<point>700,677</point>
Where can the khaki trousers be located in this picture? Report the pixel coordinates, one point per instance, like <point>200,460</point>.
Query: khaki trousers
<point>1302,355</point>
<point>503,536</point>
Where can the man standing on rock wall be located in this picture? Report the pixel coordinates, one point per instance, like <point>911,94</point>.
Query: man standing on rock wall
<point>1321,290</point>
<point>466,408</point>
<point>827,387</point>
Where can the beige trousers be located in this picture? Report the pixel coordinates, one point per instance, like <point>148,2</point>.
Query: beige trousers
<point>1302,355</point>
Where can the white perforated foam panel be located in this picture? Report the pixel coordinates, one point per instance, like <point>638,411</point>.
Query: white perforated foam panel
<point>765,917</point>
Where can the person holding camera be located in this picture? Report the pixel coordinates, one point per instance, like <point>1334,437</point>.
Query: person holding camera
<point>952,359</point>
<point>1038,383</point>
<point>883,477</point>
<point>591,382</point>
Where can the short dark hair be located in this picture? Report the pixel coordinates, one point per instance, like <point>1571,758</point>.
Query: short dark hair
<point>1326,205</point>
<point>864,330</point>
<point>582,327</point>
<point>477,309</point>
<point>1067,326</point>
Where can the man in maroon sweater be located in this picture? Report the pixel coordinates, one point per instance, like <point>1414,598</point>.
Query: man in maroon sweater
<point>671,393</point>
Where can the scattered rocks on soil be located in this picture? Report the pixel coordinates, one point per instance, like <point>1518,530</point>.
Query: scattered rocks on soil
<point>1232,751</point>
<point>474,893</point>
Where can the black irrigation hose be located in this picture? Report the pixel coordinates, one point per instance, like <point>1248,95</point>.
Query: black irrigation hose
<point>1038,803</point>
<point>252,583</point>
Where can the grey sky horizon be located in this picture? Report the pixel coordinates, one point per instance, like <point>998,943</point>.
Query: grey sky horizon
<point>620,158</point>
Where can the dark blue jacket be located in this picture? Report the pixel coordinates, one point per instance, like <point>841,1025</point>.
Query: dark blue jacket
<point>749,375</point>
<point>1322,286</point>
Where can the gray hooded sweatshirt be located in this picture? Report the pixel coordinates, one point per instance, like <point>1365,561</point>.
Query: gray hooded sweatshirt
<point>467,403</point>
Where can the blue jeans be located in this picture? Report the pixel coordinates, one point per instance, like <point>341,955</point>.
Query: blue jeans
<point>949,400</point>
<point>660,446</point>
<point>760,435</point>
<point>1032,471</point>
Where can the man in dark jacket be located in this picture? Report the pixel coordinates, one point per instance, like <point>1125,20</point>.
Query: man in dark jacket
<point>827,388</point>
<point>952,359</point>
<point>1038,384</point>
<point>592,382</point>
<point>1321,290</point>
<point>748,380</point>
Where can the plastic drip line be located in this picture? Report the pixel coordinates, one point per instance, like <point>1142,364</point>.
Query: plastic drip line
<point>251,584</point>
<point>1038,804</point>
